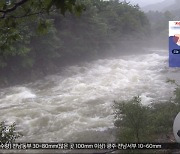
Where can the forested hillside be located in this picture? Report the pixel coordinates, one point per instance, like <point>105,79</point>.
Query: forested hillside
<point>161,6</point>
<point>159,20</point>
<point>36,44</point>
<point>96,71</point>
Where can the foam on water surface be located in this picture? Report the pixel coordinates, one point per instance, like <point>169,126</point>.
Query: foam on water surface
<point>78,101</point>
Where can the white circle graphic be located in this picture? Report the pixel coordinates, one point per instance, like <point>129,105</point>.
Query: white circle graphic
<point>176,128</point>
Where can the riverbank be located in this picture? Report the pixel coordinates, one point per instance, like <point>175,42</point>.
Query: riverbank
<point>11,78</point>
<point>79,99</point>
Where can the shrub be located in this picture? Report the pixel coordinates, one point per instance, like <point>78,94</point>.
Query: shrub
<point>132,119</point>
<point>8,133</point>
<point>139,123</point>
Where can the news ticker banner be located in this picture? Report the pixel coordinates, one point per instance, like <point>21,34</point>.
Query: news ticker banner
<point>89,146</point>
<point>174,43</point>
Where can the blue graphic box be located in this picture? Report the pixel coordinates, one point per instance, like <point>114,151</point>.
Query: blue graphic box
<point>174,43</point>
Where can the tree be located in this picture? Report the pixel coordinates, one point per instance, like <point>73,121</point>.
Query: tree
<point>15,15</point>
<point>8,7</point>
<point>132,119</point>
<point>139,123</point>
<point>40,40</point>
<point>8,133</point>
<point>24,20</point>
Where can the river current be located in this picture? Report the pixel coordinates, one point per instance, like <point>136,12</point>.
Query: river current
<point>76,104</point>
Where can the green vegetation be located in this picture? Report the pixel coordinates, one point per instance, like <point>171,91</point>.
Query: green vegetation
<point>23,23</point>
<point>159,16</point>
<point>159,22</point>
<point>132,118</point>
<point>38,37</point>
<point>139,123</point>
<point>8,133</point>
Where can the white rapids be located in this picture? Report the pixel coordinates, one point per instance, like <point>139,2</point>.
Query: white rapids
<point>76,105</point>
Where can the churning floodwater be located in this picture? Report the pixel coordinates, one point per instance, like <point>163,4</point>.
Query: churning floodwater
<point>76,104</point>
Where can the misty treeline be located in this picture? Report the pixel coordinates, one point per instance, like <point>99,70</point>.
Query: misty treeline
<point>33,45</point>
<point>159,21</point>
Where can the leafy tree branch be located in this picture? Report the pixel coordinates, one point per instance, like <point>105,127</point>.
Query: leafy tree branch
<point>16,5</point>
